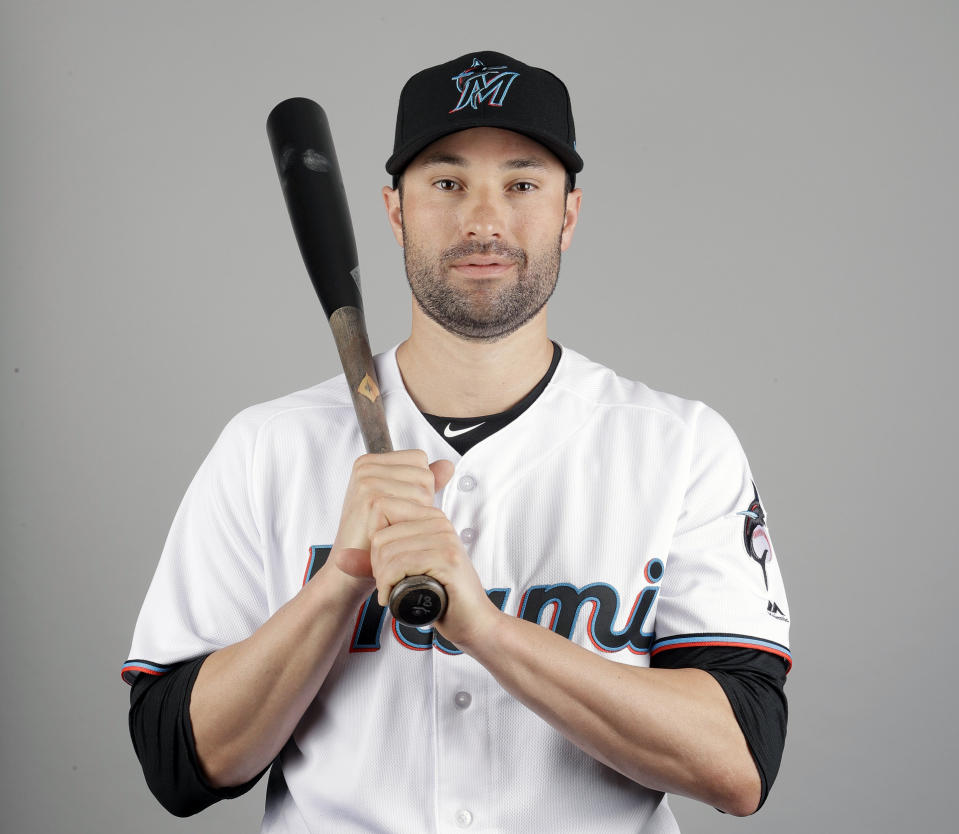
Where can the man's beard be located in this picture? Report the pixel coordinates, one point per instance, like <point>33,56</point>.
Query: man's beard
<point>483,312</point>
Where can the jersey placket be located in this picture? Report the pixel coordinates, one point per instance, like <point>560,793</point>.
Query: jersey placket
<point>460,687</point>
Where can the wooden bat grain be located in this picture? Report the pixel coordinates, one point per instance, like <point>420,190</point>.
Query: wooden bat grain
<point>353,344</point>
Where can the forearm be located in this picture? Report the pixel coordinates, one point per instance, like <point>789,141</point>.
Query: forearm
<point>668,729</point>
<point>248,698</point>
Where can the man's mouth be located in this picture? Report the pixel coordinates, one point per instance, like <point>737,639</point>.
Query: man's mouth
<point>482,266</point>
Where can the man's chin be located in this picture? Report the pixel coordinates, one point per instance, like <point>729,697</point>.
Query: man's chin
<point>479,329</point>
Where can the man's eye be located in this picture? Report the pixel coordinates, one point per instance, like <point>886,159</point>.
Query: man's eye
<point>446,185</point>
<point>524,186</point>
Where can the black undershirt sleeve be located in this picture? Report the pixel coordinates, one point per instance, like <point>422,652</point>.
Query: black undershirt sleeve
<point>754,682</point>
<point>163,740</point>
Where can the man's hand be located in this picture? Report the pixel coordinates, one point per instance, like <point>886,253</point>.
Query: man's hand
<point>390,529</point>
<point>421,540</point>
<point>403,476</point>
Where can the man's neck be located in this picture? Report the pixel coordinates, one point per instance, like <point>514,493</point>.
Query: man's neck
<point>453,377</point>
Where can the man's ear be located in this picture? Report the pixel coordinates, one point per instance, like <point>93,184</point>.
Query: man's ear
<point>394,211</point>
<point>573,201</point>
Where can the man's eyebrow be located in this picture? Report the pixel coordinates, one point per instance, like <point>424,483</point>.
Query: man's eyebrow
<point>437,159</point>
<point>525,162</point>
<point>434,159</point>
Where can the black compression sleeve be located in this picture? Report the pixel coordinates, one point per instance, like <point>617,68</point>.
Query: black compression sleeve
<point>753,681</point>
<point>163,740</point>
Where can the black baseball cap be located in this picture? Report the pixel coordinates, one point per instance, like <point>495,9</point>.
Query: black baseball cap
<point>484,89</point>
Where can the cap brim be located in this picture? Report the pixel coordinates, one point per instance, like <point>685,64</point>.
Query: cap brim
<point>397,163</point>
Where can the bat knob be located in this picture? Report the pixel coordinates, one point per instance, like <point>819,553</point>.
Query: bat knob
<point>417,601</point>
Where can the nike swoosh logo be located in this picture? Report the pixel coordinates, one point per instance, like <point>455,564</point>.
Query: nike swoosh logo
<point>449,432</point>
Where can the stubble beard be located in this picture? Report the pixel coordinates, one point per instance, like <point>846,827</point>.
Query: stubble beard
<point>483,312</point>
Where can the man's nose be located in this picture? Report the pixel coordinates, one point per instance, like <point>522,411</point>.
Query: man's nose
<point>484,218</point>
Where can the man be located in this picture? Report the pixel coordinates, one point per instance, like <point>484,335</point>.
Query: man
<point>616,626</point>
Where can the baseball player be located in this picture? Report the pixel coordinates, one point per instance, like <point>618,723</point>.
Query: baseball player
<point>617,627</point>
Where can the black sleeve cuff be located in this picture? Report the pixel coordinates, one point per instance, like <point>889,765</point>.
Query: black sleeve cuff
<point>754,682</point>
<point>162,737</point>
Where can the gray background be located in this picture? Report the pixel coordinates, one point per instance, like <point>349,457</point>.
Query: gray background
<point>769,224</point>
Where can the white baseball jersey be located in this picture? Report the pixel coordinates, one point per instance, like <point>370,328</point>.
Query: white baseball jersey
<point>622,518</point>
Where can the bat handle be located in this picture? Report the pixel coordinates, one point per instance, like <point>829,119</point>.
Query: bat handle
<point>418,601</point>
<point>353,344</point>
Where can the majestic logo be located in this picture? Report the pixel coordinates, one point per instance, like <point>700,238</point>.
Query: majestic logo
<point>755,536</point>
<point>481,83</point>
<point>773,609</point>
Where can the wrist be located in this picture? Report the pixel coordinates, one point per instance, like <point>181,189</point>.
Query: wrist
<point>341,586</point>
<point>480,639</point>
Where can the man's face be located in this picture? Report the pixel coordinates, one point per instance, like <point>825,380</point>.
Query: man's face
<point>483,217</point>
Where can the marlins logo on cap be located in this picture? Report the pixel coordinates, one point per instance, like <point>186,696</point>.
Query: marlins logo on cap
<point>481,83</point>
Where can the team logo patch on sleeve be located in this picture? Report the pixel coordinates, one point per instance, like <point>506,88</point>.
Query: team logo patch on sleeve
<point>755,537</point>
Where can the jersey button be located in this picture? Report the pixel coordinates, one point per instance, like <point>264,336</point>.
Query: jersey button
<point>467,535</point>
<point>462,699</point>
<point>464,818</point>
<point>466,483</point>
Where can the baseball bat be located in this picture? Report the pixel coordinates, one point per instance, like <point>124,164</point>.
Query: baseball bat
<point>302,146</point>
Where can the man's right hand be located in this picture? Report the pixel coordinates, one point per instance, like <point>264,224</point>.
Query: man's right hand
<point>376,482</point>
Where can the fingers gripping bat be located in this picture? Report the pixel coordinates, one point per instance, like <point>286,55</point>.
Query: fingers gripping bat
<point>313,187</point>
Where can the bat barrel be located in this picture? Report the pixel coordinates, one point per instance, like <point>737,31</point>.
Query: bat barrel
<point>309,172</point>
